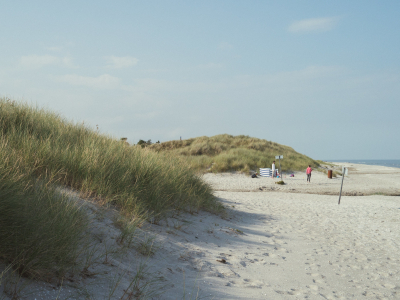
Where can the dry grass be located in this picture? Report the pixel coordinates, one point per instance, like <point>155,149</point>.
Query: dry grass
<point>134,179</point>
<point>41,230</point>
<point>222,153</point>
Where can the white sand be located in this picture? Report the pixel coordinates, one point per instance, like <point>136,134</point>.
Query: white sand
<point>362,180</point>
<point>278,242</point>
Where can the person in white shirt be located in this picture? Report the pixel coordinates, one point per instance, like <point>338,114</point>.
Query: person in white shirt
<point>273,169</point>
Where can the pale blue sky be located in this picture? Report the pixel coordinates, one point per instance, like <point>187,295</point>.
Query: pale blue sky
<point>322,77</point>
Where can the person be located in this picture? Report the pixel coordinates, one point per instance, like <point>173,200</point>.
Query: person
<point>273,169</point>
<point>309,170</point>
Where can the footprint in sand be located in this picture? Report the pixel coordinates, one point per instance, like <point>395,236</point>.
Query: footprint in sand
<point>255,284</point>
<point>201,265</point>
<point>291,292</point>
<point>281,250</point>
<point>272,255</point>
<point>230,283</point>
<point>224,272</point>
<point>318,279</point>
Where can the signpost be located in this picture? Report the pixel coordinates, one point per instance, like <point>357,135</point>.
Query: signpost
<point>345,171</point>
<point>280,169</point>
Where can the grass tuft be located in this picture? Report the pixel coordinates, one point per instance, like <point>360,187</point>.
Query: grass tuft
<point>39,228</point>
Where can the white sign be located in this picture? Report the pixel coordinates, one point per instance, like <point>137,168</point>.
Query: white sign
<point>345,171</point>
<point>279,157</point>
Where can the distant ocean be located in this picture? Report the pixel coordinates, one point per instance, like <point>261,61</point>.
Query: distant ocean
<point>394,163</point>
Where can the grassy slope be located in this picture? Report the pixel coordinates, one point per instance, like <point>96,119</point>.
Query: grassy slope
<point>39,229</point>
<point>132,178</point>
<point>225,152</point>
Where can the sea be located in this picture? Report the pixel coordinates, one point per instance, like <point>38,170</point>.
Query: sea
<point>394,163</point>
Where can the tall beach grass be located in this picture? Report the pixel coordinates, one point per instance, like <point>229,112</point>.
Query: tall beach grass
<point>40,229</point>
<point>222,153</point>
<point>134,179</point>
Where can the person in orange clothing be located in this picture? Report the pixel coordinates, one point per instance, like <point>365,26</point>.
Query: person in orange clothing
<point>309,170</point>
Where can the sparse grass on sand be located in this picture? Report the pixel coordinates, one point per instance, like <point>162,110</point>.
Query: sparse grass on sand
<point>223,153</point>
<point>40,230</point>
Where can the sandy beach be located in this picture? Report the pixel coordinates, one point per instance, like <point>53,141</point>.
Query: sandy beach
<point>275,242</point>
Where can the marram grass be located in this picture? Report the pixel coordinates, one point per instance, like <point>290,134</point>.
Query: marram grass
<point>135,180</point>
<point>40,230</point>
<point>223,153</point>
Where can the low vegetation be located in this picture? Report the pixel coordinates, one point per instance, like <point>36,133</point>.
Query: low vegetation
<point>39,228</point>
<point>40,152</point>
<point>133,179</point>
<point>223,153</point>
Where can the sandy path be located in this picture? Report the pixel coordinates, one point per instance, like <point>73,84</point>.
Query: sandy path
<point>296,247</point>
<point>321,249</point>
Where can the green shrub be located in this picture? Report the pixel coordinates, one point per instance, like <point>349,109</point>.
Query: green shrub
<point>143,143</point>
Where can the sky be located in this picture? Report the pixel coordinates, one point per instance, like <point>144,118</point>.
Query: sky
<point>322,77</point>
